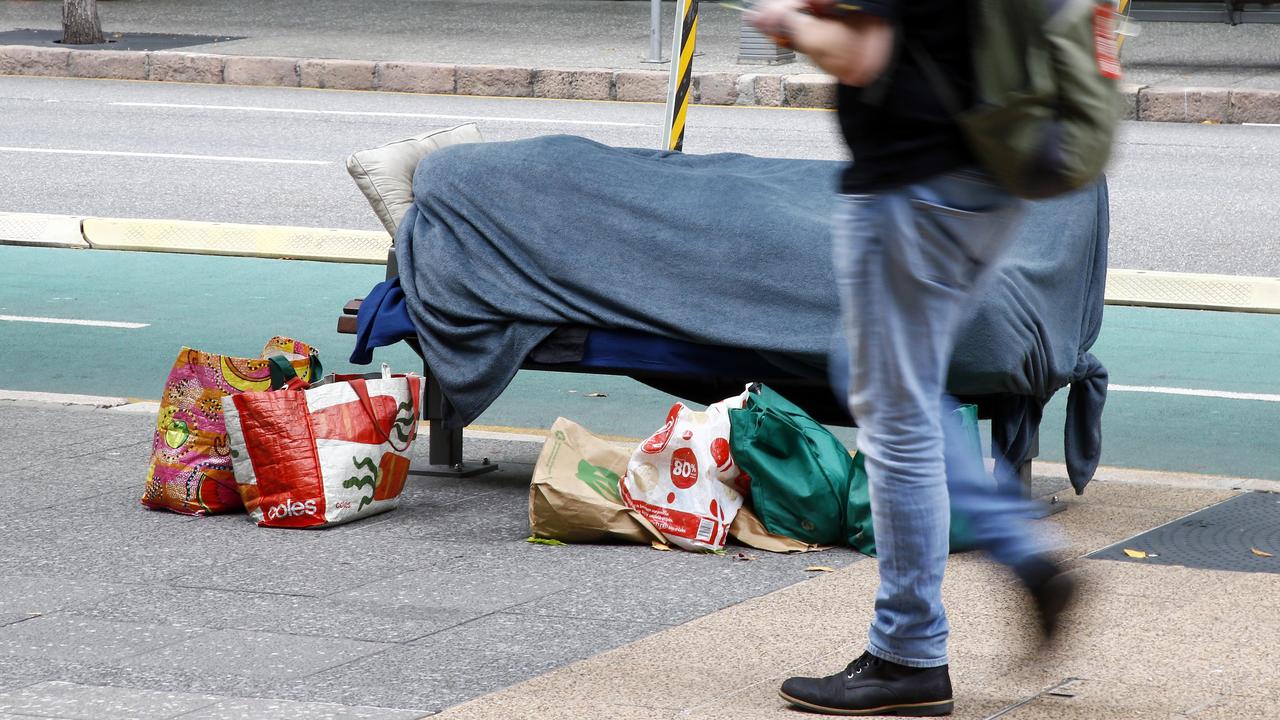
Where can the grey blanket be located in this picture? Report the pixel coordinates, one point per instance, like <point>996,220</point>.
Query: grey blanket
<point>508,241</point>
<point>1031,332</point>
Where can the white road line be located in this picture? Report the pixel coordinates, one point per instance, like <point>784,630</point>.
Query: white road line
<point>72,321</point>
<point>370,113</point>
<point>1194,392</point>
<point>173,156</point>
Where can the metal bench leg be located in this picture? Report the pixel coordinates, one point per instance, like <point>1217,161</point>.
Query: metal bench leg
<point>444,445</point>
<point>1024,472</point>
<point>1052,504</point>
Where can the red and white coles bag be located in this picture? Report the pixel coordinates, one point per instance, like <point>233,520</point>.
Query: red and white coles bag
<point>324,455</point>
<point>681,479</point>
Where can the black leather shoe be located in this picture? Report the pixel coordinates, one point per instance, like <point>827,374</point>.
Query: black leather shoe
<point>872,686</point>
<point>1053,591</point>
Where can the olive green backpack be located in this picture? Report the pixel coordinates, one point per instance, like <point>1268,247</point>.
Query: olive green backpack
<point>1046,98</point>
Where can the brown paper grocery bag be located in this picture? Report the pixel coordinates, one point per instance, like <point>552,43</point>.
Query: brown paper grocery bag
<point>574,494</point>
<point>748,530</point>
<point>574,497</point>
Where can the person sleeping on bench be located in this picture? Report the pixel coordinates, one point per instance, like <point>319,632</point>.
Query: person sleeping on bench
<point>694,274</point>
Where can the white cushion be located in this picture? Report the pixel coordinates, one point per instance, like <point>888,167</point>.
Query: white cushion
<point>385,174</point>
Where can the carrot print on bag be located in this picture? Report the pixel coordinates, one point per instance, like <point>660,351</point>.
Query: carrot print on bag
<point>392,472</point>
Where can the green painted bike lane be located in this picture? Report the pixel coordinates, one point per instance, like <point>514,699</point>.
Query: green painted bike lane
<point>233,305</point>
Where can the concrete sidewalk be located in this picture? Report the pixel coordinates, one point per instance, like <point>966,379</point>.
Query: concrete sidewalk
<point>111,611</point>
<point>576,49</point>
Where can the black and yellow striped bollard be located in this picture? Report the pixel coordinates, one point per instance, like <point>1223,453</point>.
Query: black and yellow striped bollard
<point>686,33</point>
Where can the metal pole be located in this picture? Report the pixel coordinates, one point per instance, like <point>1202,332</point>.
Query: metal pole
<point>681,81</point>
<point>655,37</point>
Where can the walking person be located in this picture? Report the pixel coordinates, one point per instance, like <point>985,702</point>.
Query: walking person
<point>918,225</point>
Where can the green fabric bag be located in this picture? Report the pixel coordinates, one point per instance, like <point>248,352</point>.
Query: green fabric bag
<point>804,482</point>
<point>800,472</point>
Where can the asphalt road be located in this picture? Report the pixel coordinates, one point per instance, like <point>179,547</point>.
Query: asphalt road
<point>1187,198</point>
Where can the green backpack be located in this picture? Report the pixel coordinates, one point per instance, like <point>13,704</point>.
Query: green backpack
<point>1046,96</point>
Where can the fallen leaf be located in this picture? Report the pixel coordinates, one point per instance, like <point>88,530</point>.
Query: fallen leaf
<point>1260,553</point>
<point>819,568</point>
<point>542,541</point>
<point>659,546</point>
<point>597,394</point>
<point>1209,122</point>
<point>1135,553</point>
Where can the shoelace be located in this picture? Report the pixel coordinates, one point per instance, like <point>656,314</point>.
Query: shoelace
<point>862,663</point>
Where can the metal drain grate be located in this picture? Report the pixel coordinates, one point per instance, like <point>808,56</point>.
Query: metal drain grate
<point>1219,537</point>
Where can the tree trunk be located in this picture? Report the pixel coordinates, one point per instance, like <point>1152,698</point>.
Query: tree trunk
<point>80,23</point>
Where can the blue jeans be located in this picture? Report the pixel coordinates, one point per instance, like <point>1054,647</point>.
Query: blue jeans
<point>908,263</point>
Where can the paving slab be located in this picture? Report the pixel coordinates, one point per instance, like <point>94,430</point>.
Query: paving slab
<point>492,586</point>
<point>261,655</point>
<point>79,439</point>
<point>18,672</point>
<point>171,679</point>
<point>64,517</point>
<point>290,710</point>
<point>315,570</point>
<point>508,633</point>
<point>70,700</point>
<point>500,513</point>
<point>270,612</point>
<point>22,596</point>
<point>427,677</point>
<point>75,639</point>
<point>647,594</point>
<point>9,618</point>
<point>111,554</point>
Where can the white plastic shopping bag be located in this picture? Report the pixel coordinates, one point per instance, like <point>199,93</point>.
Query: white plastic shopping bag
<point>681,479</point>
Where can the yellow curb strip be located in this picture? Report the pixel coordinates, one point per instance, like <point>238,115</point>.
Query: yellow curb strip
<point>41,230</point>
<point>205,238</point>
<point>1193,291</point>
<point>1146,288</point>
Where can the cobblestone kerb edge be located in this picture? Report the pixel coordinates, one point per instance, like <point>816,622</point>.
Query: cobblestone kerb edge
<point>1151,103</point>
